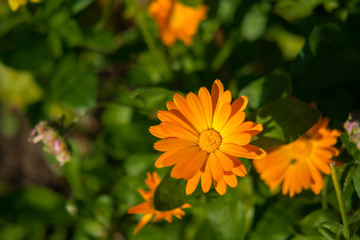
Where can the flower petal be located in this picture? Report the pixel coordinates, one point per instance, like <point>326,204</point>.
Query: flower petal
<point>206,179</point>
<point>220,186</point>
<point>173,144</point>
<point>192,183</point>
<point>225,161</point>
<point>206,102</point>
<point>215,167</point>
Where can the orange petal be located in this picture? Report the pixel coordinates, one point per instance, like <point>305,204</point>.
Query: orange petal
<point>239,168</point>
<point>140,208</point>
<point>143,221</point>
<point>231,180</point>
<point>184,108</point>
<point>225,161</point>
<point>197,110</point>
<point>206,101</point>
<point>240,139</point>
<point>247,151</point>
<point>173,144</point>
<point>175,130</point>
<point>168,157</point>
<point>215,167</point>
<point>206,179</point>
<point>221,117</point>
<point>192,183</point>
<point>189,164</point>
<point>221,187</point>
<point>158,131</point>
<point>217,90</point>
<point>166,116</point>
<point>233,122</point>
<point>239,105</point>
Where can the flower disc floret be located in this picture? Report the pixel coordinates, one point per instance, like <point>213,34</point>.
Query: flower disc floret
<point>209,140</point>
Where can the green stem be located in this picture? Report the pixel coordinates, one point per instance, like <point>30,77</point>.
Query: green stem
<point>149,40</point>
<point>340,199</point>
<point>106,15</point>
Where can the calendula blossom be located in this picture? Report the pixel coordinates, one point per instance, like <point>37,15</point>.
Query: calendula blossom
<point>176,20</point>
<point>203,135</point>
<point>298,165</point>
<point>147,208</point>
<point>15,4</point>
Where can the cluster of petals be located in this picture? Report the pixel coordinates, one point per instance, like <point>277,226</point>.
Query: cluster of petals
<point>176,20</point>
<point>203,135</point>
<point>147,208</point>
<point>298,165</point>
<point>15,4</point>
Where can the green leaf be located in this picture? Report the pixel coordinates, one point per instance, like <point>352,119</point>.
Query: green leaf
<point>170,194</point>
<point>22,48</point>
<point>331,230</point>
<point>34,203</point>
<point>103,209</point>
<point>284,121</point>
<point>328,58</point>
<point>308,225</point>
<point>18,88</point>
<point>231,215</point>
<point>295,9</point>
<point>152,98</point>
<point>277,218</point>
<point>254,22</point>
<point>103,41</point>
<point>356,180</point>
<point>80,5</point>
<point>350,147</point>
<point>73,84</point>
<point>267,89</point>
<point>347,175</point>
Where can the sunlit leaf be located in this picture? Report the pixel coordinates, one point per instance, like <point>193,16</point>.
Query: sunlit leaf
<point>356,180</point>
<point>308,225</point>
<point>267,89</point>
<point>231,216</point>
<point>18,88</point>
<point>331,230</point>
<point>284,121</point>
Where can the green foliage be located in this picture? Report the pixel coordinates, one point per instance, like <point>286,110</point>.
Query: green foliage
<point>284,121</point>
<point>101,67</point>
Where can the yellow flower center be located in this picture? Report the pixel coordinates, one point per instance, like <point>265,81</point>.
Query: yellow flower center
<point>209,140</point>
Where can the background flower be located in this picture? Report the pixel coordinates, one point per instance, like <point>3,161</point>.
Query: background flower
<point>15,4</point>
<point>147,208</point>
<point>298,165</point>
<point>176,20</point>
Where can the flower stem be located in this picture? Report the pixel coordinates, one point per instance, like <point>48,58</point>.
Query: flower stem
<point>149,40</point>
<point>106,15</point>
<point>340,199</point>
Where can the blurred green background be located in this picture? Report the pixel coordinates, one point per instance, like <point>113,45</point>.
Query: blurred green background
<point>102,67</point>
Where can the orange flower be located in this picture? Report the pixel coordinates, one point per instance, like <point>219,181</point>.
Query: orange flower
<point>15,4</point>
<point>298,165</point>
<point>176,21</point>
<point>147,208</point>
<point>203,136</point>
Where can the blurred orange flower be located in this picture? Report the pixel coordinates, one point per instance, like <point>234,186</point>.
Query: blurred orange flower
<point>176,21</point>
<point>15,4</point>
<point>147,208</point>
<point>202,135</point>
<point>298,165</point>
